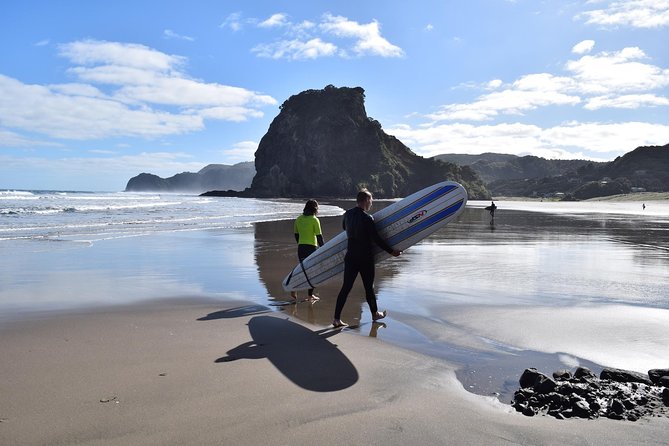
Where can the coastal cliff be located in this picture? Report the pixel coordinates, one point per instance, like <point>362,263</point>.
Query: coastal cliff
<point>323,144</point>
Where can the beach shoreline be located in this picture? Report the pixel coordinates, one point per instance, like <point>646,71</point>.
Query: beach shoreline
<point>200,371</point>
<point>636,196</point>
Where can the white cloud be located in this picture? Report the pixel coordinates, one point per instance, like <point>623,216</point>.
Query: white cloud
<point>630,101</point>
<point>276,20</point>
<point>169,34</point>
<point>617,72</point>
<point>296,49</point>
<point>633,13</point>
<point>14,140</point>
<point>307,40</point>
<point>583,47</point>
<point>132,55</point>
<point>565,141</point>
<point>241,151</point>
<point>124,90</point>
<point>613,139</point>
<point>527,93</point>
<point>233,21</point>
<point>368,36</point>
<point>40,109</point>
<point>618,79</point>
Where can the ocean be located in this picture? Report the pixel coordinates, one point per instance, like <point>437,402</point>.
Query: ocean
<point>88,217</point>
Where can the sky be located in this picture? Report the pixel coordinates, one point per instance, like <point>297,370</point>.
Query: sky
<point>93,93</point>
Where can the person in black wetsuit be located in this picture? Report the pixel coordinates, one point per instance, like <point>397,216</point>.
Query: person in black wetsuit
<point>362,236</point>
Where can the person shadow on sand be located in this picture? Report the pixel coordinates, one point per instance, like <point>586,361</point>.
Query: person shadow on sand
<point>305,357</point>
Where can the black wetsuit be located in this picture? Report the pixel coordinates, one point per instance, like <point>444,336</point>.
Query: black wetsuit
<point>362,236</point>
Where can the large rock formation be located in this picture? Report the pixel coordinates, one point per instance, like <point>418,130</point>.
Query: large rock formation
<point>214,176</point>
<point>323,144</point>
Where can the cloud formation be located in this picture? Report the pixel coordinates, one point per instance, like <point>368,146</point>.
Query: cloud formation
<point>123,90</point>
<point>565,141</point>
<point>309,40</point>
<point>604,80</point>
<point>632,13</point>
<point>623,79</point>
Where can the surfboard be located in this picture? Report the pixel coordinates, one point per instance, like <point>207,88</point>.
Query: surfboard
<point>402,224</point>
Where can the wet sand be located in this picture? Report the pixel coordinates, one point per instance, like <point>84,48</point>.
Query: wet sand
<point>203,372</point>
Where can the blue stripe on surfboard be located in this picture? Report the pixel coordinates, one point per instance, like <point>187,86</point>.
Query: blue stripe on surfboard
<point>401,236</point>
<point>392,218</point>
<point>396,239</point>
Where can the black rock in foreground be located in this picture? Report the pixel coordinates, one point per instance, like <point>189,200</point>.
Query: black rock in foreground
<point>616,394</point>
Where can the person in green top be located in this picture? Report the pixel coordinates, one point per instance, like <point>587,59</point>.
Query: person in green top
<point>308,236</point>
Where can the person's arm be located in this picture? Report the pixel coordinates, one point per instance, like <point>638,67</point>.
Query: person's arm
<point>297,233</point>
<point>371,229</point>
<point>318,232</point>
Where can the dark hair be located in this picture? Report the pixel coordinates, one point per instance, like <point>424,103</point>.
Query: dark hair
<point>363,195</point>
<point>311,207</point>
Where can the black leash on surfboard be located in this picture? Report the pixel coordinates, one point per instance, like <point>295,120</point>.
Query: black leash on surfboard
<point>290,276</point>
<point>305,274</point>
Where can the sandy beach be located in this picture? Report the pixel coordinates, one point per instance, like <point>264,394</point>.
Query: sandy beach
<point>193,373</point>
<point>188,339</point>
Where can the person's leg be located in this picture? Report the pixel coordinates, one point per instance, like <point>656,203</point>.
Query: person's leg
<point>350,273</point>
<point>304,251</point>
<point>367,275</point>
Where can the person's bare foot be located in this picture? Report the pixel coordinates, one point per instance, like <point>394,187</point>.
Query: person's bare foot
<point>379,315</point>
<point>338,323</point>
<point>293,294</point>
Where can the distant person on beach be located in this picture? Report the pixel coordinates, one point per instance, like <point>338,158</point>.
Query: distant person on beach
<point>492,208</point>
<point>308,236</point>
<point>362,236</point>
<point>644,206</point>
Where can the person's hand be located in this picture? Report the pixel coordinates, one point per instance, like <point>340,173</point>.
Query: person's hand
<point>396,253</point>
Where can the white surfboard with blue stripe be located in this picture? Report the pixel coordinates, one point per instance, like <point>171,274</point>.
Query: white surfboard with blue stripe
<point>401,224</point>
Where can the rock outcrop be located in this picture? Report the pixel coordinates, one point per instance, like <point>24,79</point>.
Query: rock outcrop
<point>214,176</point>
<point>323,144</point>
<point>617,394</point>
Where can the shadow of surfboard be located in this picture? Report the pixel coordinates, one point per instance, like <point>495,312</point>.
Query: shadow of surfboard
<point>245,310</point>
<point>303,356</point>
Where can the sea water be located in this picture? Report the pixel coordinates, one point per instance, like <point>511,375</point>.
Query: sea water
<point>64,250</point>
<point>95,216</point>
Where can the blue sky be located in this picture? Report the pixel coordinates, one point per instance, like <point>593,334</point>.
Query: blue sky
<point>93,93</point>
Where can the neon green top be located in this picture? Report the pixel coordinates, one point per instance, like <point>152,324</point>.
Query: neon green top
<point>308,227</point>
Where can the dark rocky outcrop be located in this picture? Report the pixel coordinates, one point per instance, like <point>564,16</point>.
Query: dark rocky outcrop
<point>323,144</point>
<point>617,394</point>
<point>214,176</point>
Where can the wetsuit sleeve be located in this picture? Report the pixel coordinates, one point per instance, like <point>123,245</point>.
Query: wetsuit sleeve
<point>319,238</point>
<point>374,234</point>
<point>296,231</point>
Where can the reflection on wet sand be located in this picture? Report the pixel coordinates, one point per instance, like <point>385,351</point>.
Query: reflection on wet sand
<point>526,261</point>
